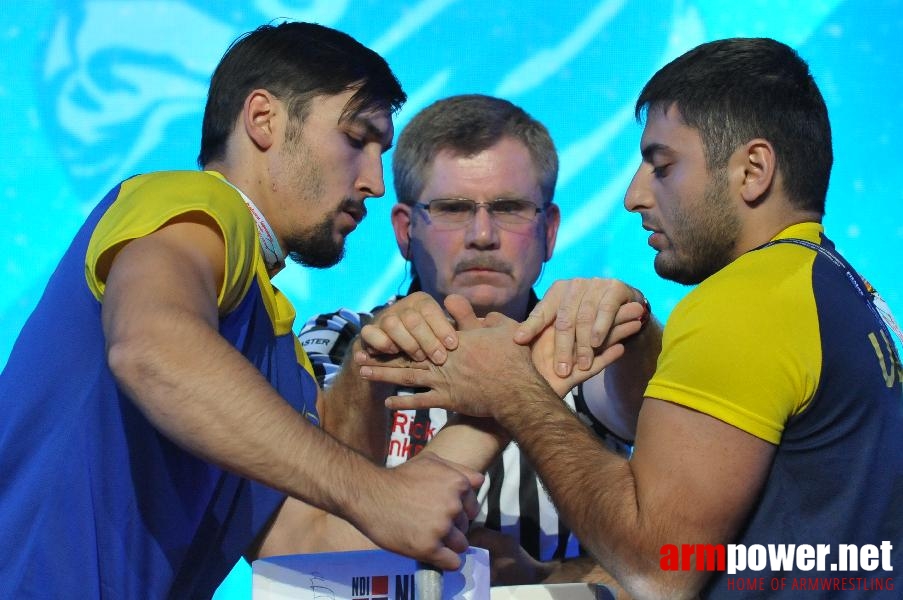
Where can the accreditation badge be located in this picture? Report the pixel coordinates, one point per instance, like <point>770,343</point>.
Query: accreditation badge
<point>888,318</point>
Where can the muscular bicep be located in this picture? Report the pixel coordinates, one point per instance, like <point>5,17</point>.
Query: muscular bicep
<point>697,474</point>
<point>179,268</point>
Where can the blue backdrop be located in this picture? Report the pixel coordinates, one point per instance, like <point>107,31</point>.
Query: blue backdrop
<point>92,91</point>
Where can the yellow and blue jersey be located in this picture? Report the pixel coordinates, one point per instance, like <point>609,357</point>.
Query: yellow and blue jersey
<point>781,344</point>
<point>96,502</point>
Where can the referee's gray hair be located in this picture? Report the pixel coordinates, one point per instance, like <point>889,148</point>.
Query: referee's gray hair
<point>466,125</point>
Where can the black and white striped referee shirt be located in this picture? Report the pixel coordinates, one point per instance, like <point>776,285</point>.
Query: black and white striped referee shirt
<point>512,498</point>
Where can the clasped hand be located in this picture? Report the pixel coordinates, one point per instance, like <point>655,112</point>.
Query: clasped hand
<point>464,360</point>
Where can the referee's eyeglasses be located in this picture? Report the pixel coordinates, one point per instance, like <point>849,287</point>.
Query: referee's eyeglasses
<point>455,213</point>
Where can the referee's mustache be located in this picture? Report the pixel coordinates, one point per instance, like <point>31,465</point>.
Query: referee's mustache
<point>488,263</point>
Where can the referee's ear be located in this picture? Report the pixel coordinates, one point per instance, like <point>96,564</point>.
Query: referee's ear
<point>401,223</point>
<point>552,219</point>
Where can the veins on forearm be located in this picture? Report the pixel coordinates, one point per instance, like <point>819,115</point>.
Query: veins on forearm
<point>567,456</point>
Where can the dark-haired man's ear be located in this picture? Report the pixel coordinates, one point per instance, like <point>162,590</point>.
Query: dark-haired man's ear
<point>259,116</point>
<point>759,163</point>
<point>401,224</point>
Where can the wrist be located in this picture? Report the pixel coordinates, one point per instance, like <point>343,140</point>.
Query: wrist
<point>535,391</point>
<point>377,480</point>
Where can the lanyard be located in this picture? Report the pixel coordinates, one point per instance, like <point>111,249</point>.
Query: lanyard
<point>269,244</point>
<point>869,294</point>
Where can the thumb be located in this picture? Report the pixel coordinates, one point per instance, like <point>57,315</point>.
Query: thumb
<point>462,312</point>
<point>495,319</point>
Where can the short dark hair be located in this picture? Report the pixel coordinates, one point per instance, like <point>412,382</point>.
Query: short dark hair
<point>295,62</point>
<point>466,125</point>
<point>738,89</point>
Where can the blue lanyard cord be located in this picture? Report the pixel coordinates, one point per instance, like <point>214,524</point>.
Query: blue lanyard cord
<point>862,287</point>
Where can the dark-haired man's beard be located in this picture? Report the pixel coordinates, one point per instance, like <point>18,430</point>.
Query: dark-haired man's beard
<point>316,247</point>
<point>703,238</point>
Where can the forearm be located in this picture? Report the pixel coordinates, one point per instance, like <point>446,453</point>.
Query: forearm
<point>610,520</point>
<point>353,411</point>
<point>160,319</point>
<point>201,393</point>
<point>469,441</point>
<point>692,478</point>
<point>626,378</point>
<point>300,528</point>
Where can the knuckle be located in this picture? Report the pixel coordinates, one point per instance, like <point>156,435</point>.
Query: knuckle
<point>390,321</point>
<point>609,306</point>
<point>411,319</point>
<point>372,337</point>
<point>585,315</point>
<point>600,286</point>
<point>564,320</point>
<point>425,302</point>
<point>597,334</point>
<point>409,378</point>
<point>538,313</point>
